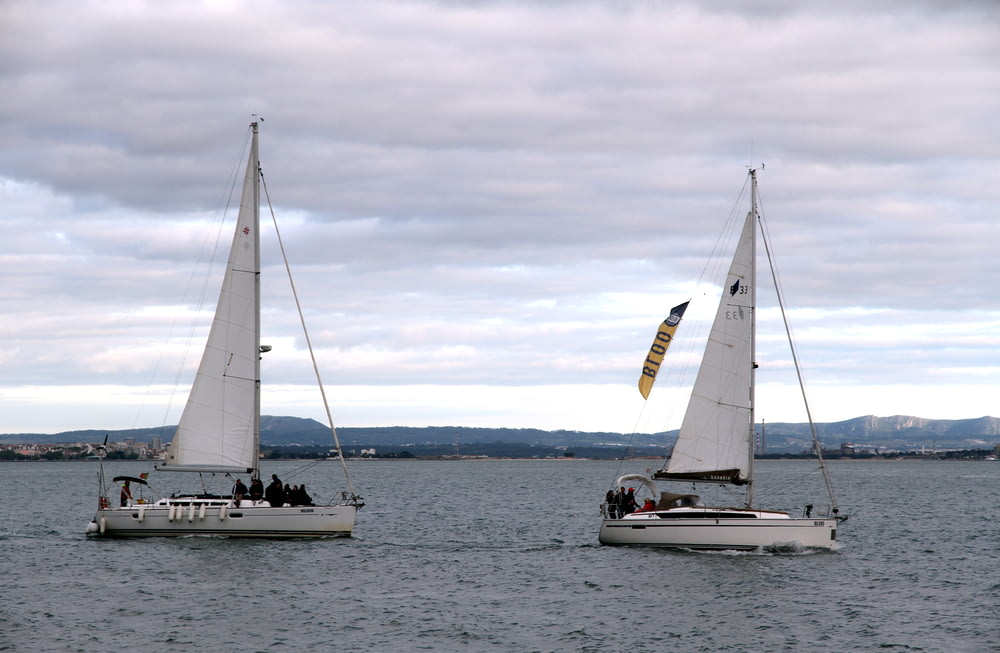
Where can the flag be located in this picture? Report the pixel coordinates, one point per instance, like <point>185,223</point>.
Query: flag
<point>664,335</point>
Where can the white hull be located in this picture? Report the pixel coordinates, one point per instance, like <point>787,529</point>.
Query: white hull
<point>218,517</point>
<point>719,529</point>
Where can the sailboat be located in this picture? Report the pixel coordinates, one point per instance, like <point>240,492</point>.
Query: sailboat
<point>715,441</point>
<point>218,436</point>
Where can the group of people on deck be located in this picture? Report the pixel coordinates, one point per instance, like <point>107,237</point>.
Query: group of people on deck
<point>276,493</point>
<point>623,503</point>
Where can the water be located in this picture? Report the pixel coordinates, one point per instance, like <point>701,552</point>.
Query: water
<point>503,556</point>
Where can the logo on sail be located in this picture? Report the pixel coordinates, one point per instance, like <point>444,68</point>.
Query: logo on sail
<point>664,336</point>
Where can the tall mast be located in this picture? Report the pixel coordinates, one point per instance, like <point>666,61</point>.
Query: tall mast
<point>753,332</point>
<point>255,158</point>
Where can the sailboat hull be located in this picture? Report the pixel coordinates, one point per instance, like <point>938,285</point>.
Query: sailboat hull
<point>221,519</point>
<point>720,529</point>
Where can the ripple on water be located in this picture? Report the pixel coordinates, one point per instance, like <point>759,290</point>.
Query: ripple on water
<point>484,572</point>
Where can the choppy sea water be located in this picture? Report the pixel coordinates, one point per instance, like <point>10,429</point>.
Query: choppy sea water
<point>503,556</point>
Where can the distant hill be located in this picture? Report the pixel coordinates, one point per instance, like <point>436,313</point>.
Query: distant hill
<point>897,432</point>
<point>901,432</point>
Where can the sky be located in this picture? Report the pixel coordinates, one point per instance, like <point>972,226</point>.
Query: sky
<point>489,207</point>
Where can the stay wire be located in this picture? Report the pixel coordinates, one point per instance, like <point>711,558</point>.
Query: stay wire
<point>305,333</point>
<point>779,292</point>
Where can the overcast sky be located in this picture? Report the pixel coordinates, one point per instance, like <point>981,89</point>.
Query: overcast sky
<point>490,206</point>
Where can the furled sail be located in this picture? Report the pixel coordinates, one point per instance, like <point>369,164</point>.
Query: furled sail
<point>218,429</point>
<point>715,436</point>
<point>664,336</point>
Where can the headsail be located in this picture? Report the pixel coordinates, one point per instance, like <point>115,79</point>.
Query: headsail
<point>714,440</point>
<point>664,336</point>
<point>219,429</point>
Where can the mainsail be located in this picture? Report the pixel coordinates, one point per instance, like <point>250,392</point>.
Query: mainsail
<point>715,437</point>
<point>664,336</point>
<point>219,429</point>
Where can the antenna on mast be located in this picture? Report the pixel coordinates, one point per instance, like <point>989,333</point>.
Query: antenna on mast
<point>750,165</point>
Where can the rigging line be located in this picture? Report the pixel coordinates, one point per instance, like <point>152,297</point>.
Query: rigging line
<point>224,204</point>
<point>302,468</point>
<point>716,259</point>
<point>713,275</point>
<point>305,332</point>
<point>817,447</point>
<point>628,443</point>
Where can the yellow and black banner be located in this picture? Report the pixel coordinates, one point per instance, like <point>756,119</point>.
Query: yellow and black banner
<point>664,336</point>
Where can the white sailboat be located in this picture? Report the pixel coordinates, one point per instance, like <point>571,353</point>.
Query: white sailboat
<point>218,436</point>
<point>715,443</point>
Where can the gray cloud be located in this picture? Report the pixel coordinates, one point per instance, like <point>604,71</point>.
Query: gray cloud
<point>501,193</point>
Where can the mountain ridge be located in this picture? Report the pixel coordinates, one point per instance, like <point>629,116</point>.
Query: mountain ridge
<point>902,432</point>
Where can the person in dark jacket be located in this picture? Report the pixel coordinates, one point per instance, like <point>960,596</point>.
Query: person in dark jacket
<point>304,498</point>
<point>630,504</point>
<point>239,491</point>
<point>256,489</point>
<point>620,502</point>
<point>611,499</point>
<point>275,492</point>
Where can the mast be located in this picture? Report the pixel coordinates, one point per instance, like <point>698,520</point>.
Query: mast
<point>255,157</point>
<point>753,333</point>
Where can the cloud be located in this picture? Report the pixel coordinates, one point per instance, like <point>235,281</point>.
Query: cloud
<point>505,196</point>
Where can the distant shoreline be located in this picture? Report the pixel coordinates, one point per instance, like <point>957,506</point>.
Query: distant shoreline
<point>981,455</point>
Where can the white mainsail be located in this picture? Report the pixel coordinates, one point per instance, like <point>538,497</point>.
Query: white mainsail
<point>715,436</point>
<point>219,429</point>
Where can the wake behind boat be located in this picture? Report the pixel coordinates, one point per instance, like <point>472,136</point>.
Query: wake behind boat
<point>218,436</point>
<point>715,443</point>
